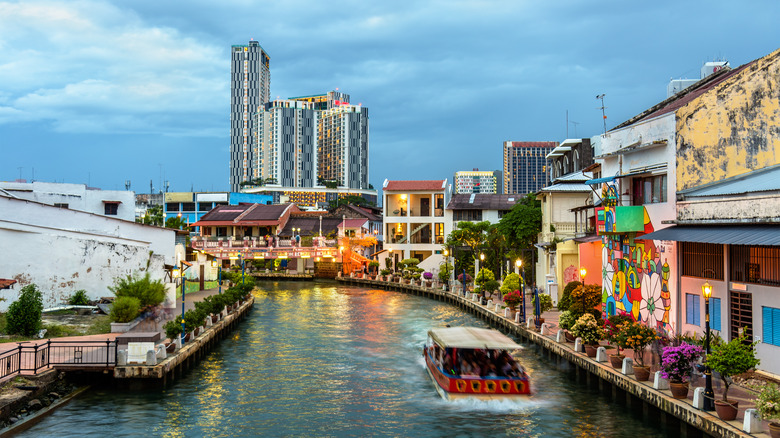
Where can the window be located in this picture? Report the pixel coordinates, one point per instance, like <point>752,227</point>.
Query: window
<point>60,205</point>
<point>467,215</point>
<point>692,309</point>
<point>702,260</point>
<point>111,209</point>
<point>172,206</point>
<point>501,213</point>
<point>715,318</point>
<point>755,264</point>
<point>648,190</point>
<point>221,231</point>
<point>771,330</point>
<point>204,206</point>
<point>741,314</point>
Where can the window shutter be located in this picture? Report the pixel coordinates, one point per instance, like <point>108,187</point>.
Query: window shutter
<point>715,314</point>
<point>776,326</point>
<point>767,314</point>
<point>688,309</point>
<point>697,310</point>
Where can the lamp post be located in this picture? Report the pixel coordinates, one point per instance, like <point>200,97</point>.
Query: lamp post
<point>518,264</point>
<point>476,271</point>
<point>447,269</point>
<point>709,394</point>
<point>241,258</point>
<point>343,262</point>
<point>179,273</point>
<point>218,264</point>
<point>583,273</point>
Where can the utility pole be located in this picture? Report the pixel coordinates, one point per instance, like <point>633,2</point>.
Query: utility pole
<point>603,114</point>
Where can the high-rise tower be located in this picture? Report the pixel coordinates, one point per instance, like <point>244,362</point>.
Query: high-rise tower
<point>250,82</point>
<point>525,165</point>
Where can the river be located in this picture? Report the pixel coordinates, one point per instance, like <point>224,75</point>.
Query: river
<point>321,359</point>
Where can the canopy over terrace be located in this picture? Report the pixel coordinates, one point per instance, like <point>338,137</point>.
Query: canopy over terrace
<point>472,338</point>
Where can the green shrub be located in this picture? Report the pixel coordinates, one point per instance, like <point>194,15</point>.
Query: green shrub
<point>79,298</point>
<point>445,271</point>
<point>173,328</point>
<point>147,292</point>
<point>511,283</point>
<point>585,299</point>
<point>565,301</point>
<point>125,309</point>
<point>409,263</point>
<point>567,319</point>
<point>545,302</point>
<point>193,319</point>
<point>732,358</point>
<point>24,314</point>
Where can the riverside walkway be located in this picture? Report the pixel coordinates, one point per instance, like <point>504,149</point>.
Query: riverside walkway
<point>656,403</point>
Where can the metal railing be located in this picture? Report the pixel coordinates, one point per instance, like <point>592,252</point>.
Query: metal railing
<point>30,359</point>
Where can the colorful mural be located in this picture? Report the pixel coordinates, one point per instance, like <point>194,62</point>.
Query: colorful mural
<point>636,281</point>
<point>635,276</point>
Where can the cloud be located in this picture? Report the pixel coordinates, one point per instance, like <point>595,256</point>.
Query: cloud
<point>94,67</point>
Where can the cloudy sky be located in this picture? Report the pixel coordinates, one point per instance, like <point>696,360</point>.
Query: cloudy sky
<point>103,92</point>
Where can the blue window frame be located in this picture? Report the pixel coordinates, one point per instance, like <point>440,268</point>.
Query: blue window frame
<point>715,317</point>
<point>771,322</point>
<point>692,309</point>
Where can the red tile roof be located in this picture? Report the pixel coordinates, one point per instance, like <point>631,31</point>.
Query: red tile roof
<point>353,223</point>
<point>245,214</point>
<point>414,185</point>
<point>6,284</point>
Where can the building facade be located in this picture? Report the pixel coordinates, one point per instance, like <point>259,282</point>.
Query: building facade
<point>119,204</point>
<point>191,206</point>
<point>250,82</point>
<point>475,181</point>
<point>525,165</point>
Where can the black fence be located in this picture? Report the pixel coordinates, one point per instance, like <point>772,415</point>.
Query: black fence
<point>32,358</point>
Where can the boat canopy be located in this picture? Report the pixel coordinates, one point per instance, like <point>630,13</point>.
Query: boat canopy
<point>473,338</point>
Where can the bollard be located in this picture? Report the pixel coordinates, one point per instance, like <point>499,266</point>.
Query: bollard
<point>498,307</point>
<point>560,337</point>
<point>151,358</point>
<point>121,358</point>
<point>160,350</point>
<point>698,398</point>
<point>517,317</point>
<point>506,312</point>
<point>208,321</point>
<point>628,366</point>
<point>489,303</point>
<point>546,329</point>
<point>177,341</point>
<point>601,354</point>
<point>659,382</point>
<point>530,323</point>
<point>578,345</point>
<point>752,423</point>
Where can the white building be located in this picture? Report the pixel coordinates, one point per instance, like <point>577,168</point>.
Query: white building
<point>64,250</point>
<point>414,221</point>
<point>114,203</point>
<point>475,181</point>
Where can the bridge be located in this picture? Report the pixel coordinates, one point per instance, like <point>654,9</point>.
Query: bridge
<point>32,358</point>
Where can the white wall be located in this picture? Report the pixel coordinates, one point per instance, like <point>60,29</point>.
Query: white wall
<point>63,250</point>
<point>77,196</point>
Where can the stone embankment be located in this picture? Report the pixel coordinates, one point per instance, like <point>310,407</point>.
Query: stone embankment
<point>679,417</point>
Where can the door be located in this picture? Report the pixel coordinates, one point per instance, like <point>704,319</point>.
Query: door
<point>425,207</point>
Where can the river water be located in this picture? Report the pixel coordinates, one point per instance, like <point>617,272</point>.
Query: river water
<point>321,359</point>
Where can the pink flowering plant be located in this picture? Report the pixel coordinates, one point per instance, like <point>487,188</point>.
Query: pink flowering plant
<point>512,299</point>
<point>677,362</point>
<point>427,275</point>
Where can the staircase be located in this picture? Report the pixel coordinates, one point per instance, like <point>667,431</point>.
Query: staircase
<point>415,231</point>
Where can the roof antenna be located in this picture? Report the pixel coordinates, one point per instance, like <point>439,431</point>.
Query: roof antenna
<point>601,96</point>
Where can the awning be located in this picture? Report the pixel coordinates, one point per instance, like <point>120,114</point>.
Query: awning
<point>587,239</point>
<point>111,202</point>
<point>472,338</point>
<point>768,235</point>
<point>600,180</point>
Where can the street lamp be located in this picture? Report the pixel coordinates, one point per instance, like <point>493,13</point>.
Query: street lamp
<point>447,269</point>
<point>218,265</point>
<point>518,265</point>
<point>709,394</point>
<point>583,273</point>
<point>241,258</point>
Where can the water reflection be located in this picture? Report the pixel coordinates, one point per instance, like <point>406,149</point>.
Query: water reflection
<point>320,359</point>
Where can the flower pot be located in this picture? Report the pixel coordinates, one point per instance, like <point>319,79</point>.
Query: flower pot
<point>774,430</point>
<point>569,337</point>
<point>642,374</point>
<point>187,337</point>
<point>214,319</point>
<point>170,347</point>
<point>616,360</point>
<point>679,389</point>
<point>727,410</point>
<point>196,332</point>
<point>590,350</point>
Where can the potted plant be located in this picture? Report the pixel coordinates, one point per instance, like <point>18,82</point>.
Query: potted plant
<point>730,359</point>
<point>612,327</point>
<point>464,280</point>
<point>545,304</point>
<point>428,276</point>
<point>566,320</point>
<point>512,299</point>
<point>677,366</point>
<point>590,331</point>
<point>384,273</point>
<point>172,331</point>
<point>768,406</point>
<point>637,336</point>
<point>373,266</point>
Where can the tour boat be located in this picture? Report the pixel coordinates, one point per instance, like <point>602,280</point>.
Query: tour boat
<point>471,362</point>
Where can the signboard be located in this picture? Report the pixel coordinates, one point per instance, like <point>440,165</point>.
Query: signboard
<point>136,351</point>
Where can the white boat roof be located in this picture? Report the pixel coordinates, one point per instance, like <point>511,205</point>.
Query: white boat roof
<point>473,338</point>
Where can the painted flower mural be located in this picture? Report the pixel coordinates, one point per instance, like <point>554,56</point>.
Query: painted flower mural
<point>651,309</point>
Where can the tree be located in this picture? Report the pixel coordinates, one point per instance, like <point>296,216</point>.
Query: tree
<point>176,223</point>
<point>523,223</point>
<point>153,216</point>
<point>471,234</point>
<point>24,314</point>
<point>349,200</point>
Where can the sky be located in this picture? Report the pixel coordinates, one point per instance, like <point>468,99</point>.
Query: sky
<point>102,93</point>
